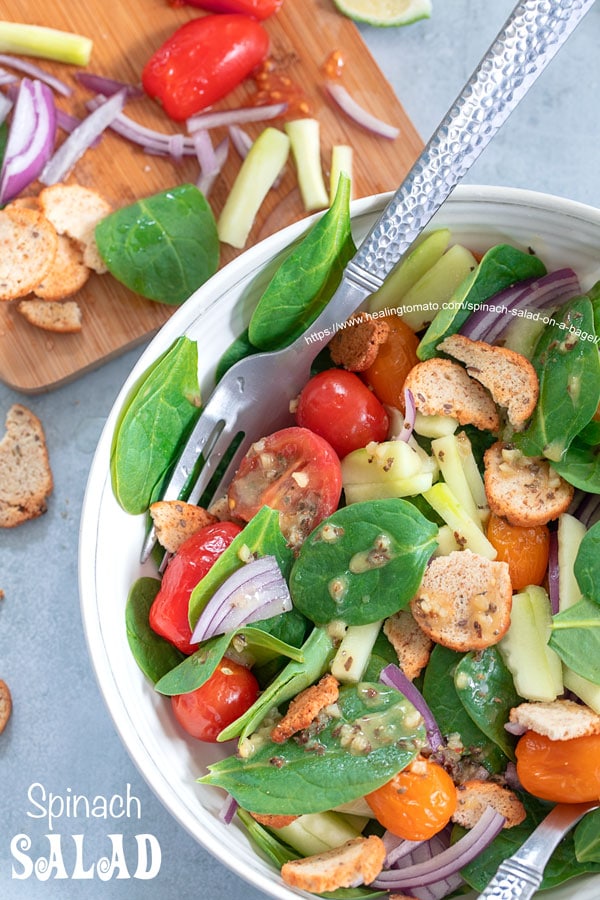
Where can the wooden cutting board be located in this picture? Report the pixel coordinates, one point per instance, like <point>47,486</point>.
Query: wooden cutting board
<point>303,35</point>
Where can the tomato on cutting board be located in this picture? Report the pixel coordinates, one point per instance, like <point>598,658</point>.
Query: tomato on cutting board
<point>258,9</point>
<point>294,471</point>
<point>337,405</point>
<point>169,611</point>
<point>203,61</point>
<point>228,693</point>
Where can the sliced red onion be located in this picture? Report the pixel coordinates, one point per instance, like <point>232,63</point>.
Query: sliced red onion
<point>31,138</point>
<point>7,77</point>
<point>81,139</point>
<point>152,141</point>
<point>515,728</point>
<point>34,71</point>
<point>205,151</point>
<point>487,324</point>
<point>6,104</point>
<point>421,851</point>
<point>253,592</point>
<point>100,84</point>
<point>207,179</point>
<point>553,574</point>
<point>239,116</point>
<point>397,848</point>
<point>448,862</point>
<point>585,508</point>
<point>410,413</point>
<point>228,810</point>
<point>241,140</point>
<point>394,677</point>
<point>357,113</point>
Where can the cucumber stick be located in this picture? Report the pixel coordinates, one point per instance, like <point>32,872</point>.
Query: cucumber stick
<point>535,667</point>
<point>469,534</point>
<point>352,656</point>
<point>410,269</point>
<point>305,144</point>
<point>447,453</point>
<point>46,43</point>
<point>570,535</point>
<point>318,832</point>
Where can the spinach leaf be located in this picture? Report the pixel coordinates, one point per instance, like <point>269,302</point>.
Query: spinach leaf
<point>261,537</point>
<point>163,247</point>
<point>239,349</point>
<point>587,838</point>
<point>328,769</point>
<point>306,280</point>
<point>197,668</point>
<point>152,653</point>
<point>501,267</point>
<point>580,466</point>
<point>587,564</point>
<point>443,699</point>
<point>362,563</point>
<point>568,367</point>
<point>154,422</point>
<point>576,638</point>
<point>486,690</point>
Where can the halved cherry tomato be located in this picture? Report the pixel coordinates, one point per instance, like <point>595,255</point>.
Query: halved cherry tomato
<point>294,471</point>
<point>203,61</point>
<point>258,9</point>
<point>395,358</point>
<point>169,611</point>
<point>337,405</point>
<point>229,692</point>
<point>560,771</point>
<point>417,803</point>
<point>525,549</point>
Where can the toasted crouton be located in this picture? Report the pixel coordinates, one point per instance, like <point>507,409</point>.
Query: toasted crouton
<point>509,377</point>
<point>273,821</point>
<point>560,720</point>
<point>25,475</point>
<point>409,641</point>
<point>358,861</point>
<point>60,316</point>
<point>356,347</point>
<point>5,705</point>
<point>75,210</point>
<point>176,521</point>
<point>28,245</point>
<point>526,490</point>
<point>305,708</point>
<point>473,797</point>
<point>66,275</point>
<point>441,387</point>
<point>464,601</point>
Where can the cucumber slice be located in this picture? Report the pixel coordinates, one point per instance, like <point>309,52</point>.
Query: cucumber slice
<point>570,534</point>
<point>437,286</point>
<point>410,269</point>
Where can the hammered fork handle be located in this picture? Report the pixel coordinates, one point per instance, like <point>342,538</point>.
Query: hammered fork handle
<point>534,32</point>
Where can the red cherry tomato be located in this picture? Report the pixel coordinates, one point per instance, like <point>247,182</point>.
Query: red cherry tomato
<point>395,358</point>
<point>228,693</point>
<point>338,406</point>
<point>169,610</point>
<point>294,471</point>
<point>203,61</point>
<point>417,803</point>
<point>258,9</point>
<point>560,771</point>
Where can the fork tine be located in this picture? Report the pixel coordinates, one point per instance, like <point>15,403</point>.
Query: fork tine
<point>232,467</point>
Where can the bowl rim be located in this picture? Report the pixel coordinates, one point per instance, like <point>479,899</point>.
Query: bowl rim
<point>98,477</point>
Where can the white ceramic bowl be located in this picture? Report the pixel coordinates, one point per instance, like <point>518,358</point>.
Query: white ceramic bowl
<point>560,231</point>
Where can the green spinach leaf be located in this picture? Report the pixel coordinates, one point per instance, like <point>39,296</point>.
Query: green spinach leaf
<point>587,564</point>
<point>152,653</point>
<point>239,349</point>
<point>576,638</point>
<point>486,690</point>
<point>261,537</point>
<point>306,280</point>
<point>163,247</point>
<point>501,267</point>
<point>587,838</point>
<point>362,563</point>
<point>153,424</point>
<point>329,769</point>
<point>580,466</point>
<point>568,368</point>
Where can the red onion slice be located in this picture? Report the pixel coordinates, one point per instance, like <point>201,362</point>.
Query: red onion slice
<point>6,104</point>
<point>73,148</point>
<point>394,677</point>
<point>152,141</point>
<point>207,179</point>
<point>448,862</point>
<point>31,138</point>
<point>357,113</point>
<point>553,574</point>
<point>228,810</point>
<point>240,140</point>
<point>410,414</point>
<point>34,71</point>
<point>239,116</point>
<point>100,84</point>
<point>7,77</point>
<point>253,592</point>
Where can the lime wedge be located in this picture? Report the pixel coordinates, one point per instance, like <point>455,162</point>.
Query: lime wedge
<point>385,13</point>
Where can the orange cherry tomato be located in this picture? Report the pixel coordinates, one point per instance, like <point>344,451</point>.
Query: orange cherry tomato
<point>560,771</point>
<point>395,358</point>
<point>417,803</point>
<point>524,549</point>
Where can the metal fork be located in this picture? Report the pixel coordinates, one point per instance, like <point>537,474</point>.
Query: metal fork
<point>253,398</point>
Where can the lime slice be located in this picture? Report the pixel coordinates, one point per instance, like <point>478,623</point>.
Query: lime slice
<point>385,13</point>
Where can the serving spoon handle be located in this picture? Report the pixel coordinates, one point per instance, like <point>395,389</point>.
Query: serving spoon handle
<point>519,876</point>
